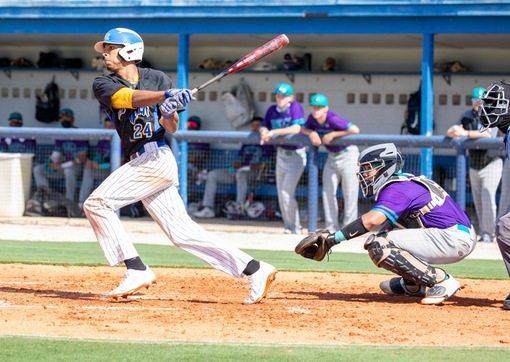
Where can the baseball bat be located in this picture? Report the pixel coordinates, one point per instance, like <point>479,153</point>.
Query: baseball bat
<point>270,47</point>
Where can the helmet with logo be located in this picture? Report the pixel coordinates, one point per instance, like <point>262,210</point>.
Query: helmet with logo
<point>494,108</point>
<point>133,43</point>
<point>376,165</point>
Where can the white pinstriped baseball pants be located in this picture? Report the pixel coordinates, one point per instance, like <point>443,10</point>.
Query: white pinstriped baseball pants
<point>152,177</point>
<point>289,168</point>
<point>340,168</point>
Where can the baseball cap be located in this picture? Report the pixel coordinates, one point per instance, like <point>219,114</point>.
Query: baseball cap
<point>194,123</point>
<point>66,111</point>
<point>319,100</point>
<point>16,116</point>
<point>478,92</point>
<point>284,88</point>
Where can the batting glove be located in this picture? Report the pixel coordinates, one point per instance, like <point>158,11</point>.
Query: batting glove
<point>181,96</point>
<point>168,108</point>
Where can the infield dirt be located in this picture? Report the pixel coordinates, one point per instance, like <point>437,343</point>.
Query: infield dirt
<point>205,305</point>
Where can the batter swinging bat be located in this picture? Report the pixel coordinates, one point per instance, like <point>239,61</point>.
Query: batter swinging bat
<point>270,47</point>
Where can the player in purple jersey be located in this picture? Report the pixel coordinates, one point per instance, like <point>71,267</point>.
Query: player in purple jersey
<point>17,145</point>
<point>420,225</point>
<point>66,161</point>
<point>97,166</point>
<point>143,104</point>
<point>252,161</point>
<point>284,118</point>
<point>495,112</point>
<point>322,127</point>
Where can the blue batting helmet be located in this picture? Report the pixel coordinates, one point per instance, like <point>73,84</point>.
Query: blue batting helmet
<point>133,43</point>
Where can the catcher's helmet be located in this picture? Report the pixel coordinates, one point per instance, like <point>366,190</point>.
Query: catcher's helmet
<point>376,165</point>
<point>494,108</point>
<point>133,43</point>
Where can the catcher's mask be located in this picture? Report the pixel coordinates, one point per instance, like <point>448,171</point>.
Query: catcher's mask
<point>376,165</point>
<point>494,109</point>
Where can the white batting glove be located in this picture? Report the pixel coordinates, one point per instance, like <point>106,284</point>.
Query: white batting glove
<point>168,108</point>
<point>181,96</point>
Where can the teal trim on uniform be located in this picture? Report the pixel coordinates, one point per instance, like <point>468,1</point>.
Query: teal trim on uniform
<point>463,228</point>
<point>389,213</point>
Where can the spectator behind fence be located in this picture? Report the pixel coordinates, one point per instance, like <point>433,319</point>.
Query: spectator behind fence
<point>322,127</point>
<point>17,145</point>
<point>252,162</point>
<point>66,161</point>
<point>284,118</point>
<point>198,152</point>
<point>485,168</point>
<point>96,168</point>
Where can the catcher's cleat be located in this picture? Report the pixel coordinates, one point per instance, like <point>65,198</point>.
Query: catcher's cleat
<point>133,281</point>
<point>441,291</point>
<point>506,303</point>
<point>400,286</point>
<point>260,282</point>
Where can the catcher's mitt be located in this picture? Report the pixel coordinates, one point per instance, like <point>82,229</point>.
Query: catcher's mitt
<point>315,246</point>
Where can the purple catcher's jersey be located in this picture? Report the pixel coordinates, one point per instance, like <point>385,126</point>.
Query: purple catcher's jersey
<point>398,197</point>
<point>293,115</point>
<point>139,126</point>
<point>333,122</point>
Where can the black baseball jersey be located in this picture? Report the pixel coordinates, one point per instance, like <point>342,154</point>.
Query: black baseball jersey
<point>136,127</point>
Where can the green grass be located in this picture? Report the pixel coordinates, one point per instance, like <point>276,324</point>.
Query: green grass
<point>89,254</point>
<point>14,348</point>
<point>28,349</point>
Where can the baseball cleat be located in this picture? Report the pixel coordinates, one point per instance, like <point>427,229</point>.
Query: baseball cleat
<point>133,281</point>
<point>260,282</point>
<point>400,286</point>
<point>441,291</point>
<point>506,303</point>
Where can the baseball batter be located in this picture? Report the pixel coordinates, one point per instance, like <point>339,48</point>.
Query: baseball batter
<point>494,113</point>
<point>322,127</point>
<point>143,104</point>
<point>284,118</point>
<point>420,225</point>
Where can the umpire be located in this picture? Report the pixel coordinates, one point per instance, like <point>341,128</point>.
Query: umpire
<point>494,113</point>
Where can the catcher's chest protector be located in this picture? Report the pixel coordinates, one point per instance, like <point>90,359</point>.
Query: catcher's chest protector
<point>411,220</point>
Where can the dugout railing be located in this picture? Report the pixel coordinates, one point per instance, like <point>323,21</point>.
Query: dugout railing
<point>441,158</point>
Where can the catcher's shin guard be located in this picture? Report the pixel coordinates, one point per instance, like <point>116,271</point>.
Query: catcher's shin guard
<point>387,256</point>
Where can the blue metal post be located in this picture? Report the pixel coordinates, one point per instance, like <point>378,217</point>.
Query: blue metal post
<point>313,188</point>
<point>182,82</point>
<point>427,101</point>
<point>461,177</point>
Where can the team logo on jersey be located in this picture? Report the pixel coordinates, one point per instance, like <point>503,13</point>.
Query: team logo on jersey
<point>142,113</point>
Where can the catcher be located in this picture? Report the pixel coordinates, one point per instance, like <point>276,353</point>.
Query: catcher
<point>418,224</point>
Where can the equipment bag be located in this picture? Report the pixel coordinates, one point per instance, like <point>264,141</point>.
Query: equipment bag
<point>239,104</point>
<point>47,105</point>
<point>412,122</point>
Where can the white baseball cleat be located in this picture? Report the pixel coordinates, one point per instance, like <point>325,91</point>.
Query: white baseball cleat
<point>441,291</point>
<point>260,282</point>
<point>133,281</point>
